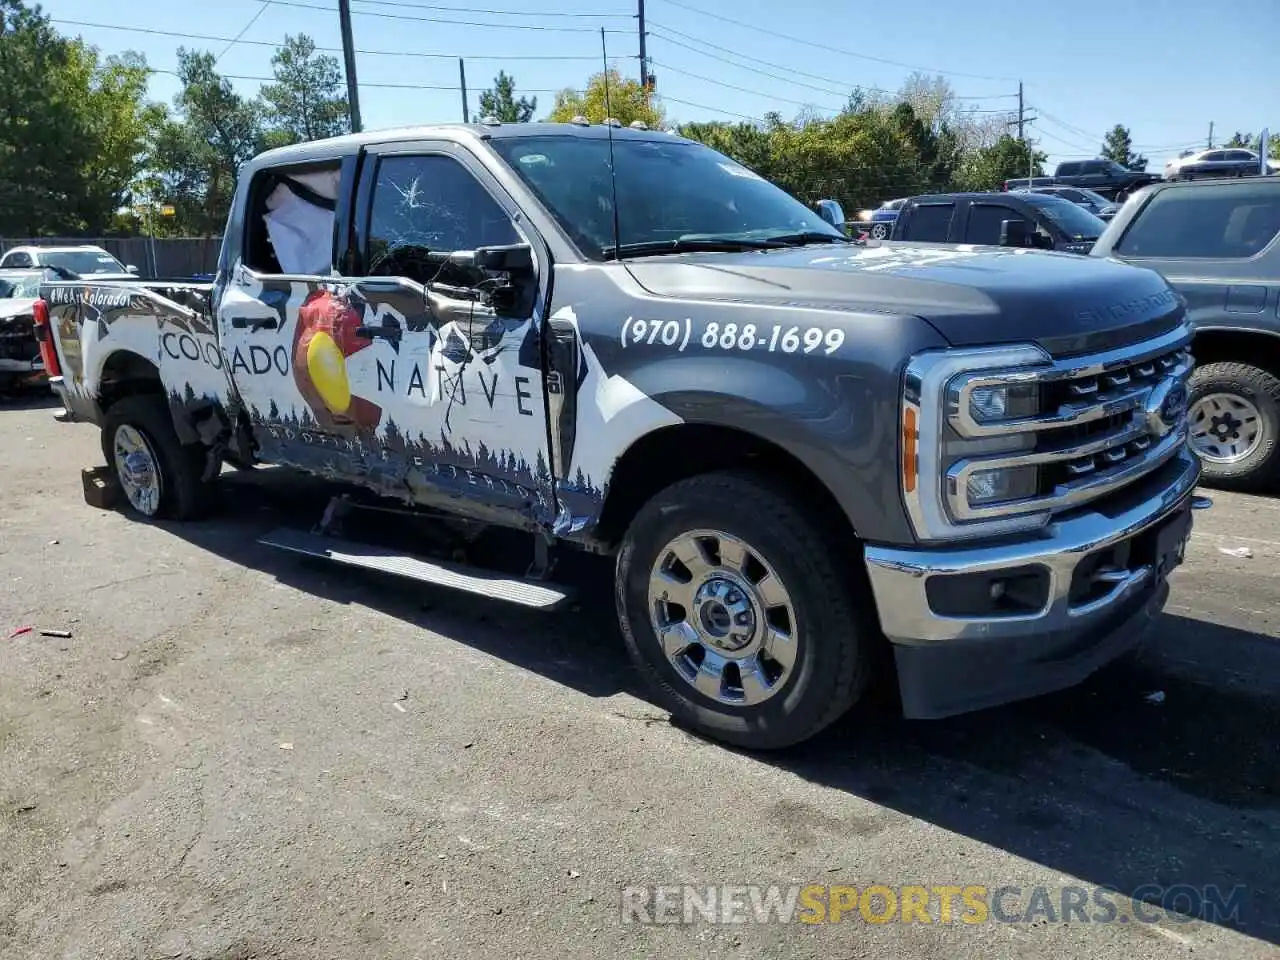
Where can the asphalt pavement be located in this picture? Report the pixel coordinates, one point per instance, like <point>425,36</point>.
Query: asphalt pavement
<point>241,753</point>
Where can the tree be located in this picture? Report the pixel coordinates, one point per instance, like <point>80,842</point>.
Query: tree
<point>70,127</point>
<point>1249,141</point>
<point>306,101</point>
<point>194,155</point>
<point>627,101</point>
<point>1007,159</point>
<point>1118,146</point>
<point>500,103</point>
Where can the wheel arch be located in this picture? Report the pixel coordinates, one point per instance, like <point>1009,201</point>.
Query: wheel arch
<point>1219,343</point>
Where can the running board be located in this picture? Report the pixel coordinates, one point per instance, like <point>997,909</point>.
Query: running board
<point>486,583</point>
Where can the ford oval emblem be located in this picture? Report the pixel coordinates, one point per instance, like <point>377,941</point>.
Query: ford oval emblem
<point>1166,406</point>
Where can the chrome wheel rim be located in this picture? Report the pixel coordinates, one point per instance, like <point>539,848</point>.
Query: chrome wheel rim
<point>724,619</point>
<point>1225,427</point>
<point>138,469</point>
<point>879,231</point>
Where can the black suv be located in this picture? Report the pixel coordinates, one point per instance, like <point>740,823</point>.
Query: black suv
<point>1113,180</point>
<point>1217,242</point>
<point>1038,220</point>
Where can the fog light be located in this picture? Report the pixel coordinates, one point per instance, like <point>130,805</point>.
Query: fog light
<point>1009,402</point>
<point>999,486</point>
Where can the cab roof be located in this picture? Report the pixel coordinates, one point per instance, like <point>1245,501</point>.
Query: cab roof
<point>336,147</point>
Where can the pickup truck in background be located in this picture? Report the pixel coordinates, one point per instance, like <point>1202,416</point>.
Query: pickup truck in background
<point>1112,180</point>
<point>1017,219</point>
<point>798,451</point>
<point>1217,243</point>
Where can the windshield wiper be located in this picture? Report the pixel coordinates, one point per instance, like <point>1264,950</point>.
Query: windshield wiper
<point>687,244</point>
<point>809,236</point>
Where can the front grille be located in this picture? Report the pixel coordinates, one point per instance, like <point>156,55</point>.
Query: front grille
<point>18,340</point>
<point>1100,425</point>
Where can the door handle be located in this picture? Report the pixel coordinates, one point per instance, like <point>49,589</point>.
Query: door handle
<point>255,323</point>
<point>386,331</point>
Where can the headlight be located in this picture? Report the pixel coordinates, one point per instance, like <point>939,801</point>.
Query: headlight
<point>1004,403</point>
<point>959,405</point>
<point>1002,485</point>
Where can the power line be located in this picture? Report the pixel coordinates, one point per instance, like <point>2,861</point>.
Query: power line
<point>365,83</point>
<point>754,68</point>
<point>363,53</point>
<point>500,13</point>
<point>252,21</point>
<point>459,23</point>
<point>822,46</point>
<point>731,86</point>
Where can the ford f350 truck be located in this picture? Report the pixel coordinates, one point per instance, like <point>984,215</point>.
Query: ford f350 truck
<point>799,450</point>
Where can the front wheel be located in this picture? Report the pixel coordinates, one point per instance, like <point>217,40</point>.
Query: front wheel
<point>749,622</point>
<point>158,475</point>
<point>1234,413</point>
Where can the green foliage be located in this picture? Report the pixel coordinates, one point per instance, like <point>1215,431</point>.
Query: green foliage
<point>500,102</point>
<point>1008,158</point>
<point>1249,141</point>
<point>1118,146</point>
<point>70,128</point>
<point>306,101</point>
<point>627,101</point>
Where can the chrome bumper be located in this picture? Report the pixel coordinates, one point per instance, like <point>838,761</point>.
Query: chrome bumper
<point>899,576</point>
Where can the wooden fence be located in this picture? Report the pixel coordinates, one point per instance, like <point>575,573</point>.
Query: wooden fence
<point>173,258</point>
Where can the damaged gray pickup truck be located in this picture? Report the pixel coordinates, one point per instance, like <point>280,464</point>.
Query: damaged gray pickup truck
<point>800,451</point>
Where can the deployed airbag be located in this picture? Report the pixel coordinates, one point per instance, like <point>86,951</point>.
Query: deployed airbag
<point>301,232</point>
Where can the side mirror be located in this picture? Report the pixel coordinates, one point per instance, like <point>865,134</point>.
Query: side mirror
<point>510,258</point>
<point>132,269</point>
<point>832,212</point>
<point>1015,233</point>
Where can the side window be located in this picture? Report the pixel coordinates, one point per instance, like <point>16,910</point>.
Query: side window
<point>985,220</point>
<point>930,222</point>
<point>1215,155</point>
<point>289,228</point>
<point>429,204</point>
<point>1069,169</point>
<point>17,260</point>
<point>1093,166</point>
<point>1216,222</point>
<point>1240,155</point>
<point>1075,196</point>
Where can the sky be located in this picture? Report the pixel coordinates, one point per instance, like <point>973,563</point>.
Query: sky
<point>1166,71</point>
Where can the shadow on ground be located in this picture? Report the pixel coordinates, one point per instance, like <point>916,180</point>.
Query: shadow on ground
<point>1098,782</point>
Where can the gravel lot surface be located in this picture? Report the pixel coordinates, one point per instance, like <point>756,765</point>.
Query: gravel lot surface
<point>240,753</point>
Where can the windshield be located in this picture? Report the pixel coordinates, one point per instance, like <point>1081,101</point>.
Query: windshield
<point>20,286</point>
<point>1074,220</point>
<point>667,191</point>
<point>83,262</point>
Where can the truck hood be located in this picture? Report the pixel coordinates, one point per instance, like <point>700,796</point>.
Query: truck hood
<point>971,295</point>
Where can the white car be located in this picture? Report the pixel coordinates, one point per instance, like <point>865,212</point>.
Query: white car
<point>85,261</point>
<point>1229,162</point>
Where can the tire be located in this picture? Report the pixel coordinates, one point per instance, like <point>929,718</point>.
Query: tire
<point>879,231</point>
<point>832,622</point>
<point>183,495</point>
<point>1242,388</point>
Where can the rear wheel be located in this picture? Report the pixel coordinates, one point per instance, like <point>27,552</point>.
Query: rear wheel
<point>750,623</point>
<point>1234,413</point>
<point>158,475</point>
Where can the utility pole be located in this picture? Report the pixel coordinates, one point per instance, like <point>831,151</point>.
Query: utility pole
<point>1210,134</point>
<point>349,56</point>
<point>462,81</point>
<point>1020,109</point>
<point>644,61</point>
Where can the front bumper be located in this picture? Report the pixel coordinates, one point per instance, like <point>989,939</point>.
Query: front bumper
<point>950,663</point>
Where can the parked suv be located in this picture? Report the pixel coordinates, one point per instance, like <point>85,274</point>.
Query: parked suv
<point>1113,180</point>
<point>1217,242</point>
